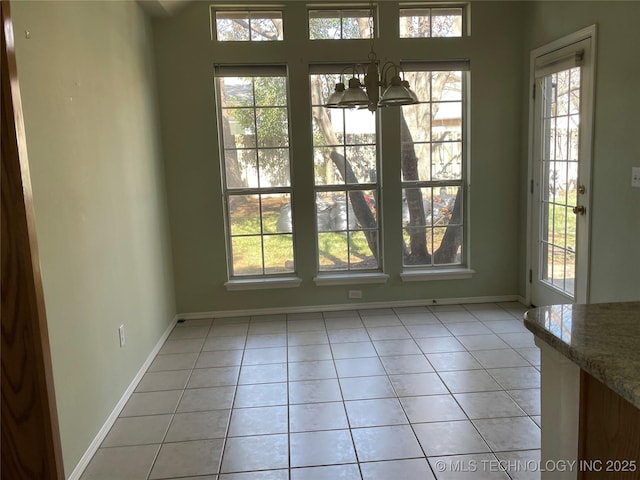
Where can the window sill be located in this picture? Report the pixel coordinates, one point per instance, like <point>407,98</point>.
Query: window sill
<point>262,283</point>
<point>423,275</point>
<point>350,279</point>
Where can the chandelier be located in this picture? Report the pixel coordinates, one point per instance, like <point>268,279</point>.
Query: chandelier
<point>365,93</point>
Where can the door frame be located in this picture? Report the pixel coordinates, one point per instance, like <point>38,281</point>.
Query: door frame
<point>587,115</point>
<point>31,445</point>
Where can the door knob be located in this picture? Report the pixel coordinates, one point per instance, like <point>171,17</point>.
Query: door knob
<point>579,209</point>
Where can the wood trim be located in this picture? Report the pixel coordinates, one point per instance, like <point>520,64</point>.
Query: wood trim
<point>31,446</point>
<point>609,432</point>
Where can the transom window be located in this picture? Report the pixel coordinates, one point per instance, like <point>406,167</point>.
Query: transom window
<point>248,26</point>
<point>432,163</point>
<point>430,22</point>
<point>345,157</point>
<point>340,24</point>
<point>254,121</point>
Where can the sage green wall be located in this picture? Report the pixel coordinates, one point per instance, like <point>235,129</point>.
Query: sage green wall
<point>86,75</point>
<point>615,212</point>
<point>185,58</point>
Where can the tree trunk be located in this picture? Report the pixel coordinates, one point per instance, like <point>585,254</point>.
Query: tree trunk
<point>418,252</point>
<point>452,236</point>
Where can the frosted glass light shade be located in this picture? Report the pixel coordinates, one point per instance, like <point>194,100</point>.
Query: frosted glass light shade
<point>396,94</point>
<point>334,99</point>
<point>354,96</point>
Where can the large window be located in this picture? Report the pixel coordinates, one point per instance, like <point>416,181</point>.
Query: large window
<point>346,180</point>
<point>254,123</point>
<point>433,167</point>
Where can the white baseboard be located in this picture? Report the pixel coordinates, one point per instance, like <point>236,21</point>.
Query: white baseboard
<point>347,306</point>
<point>97,441</point>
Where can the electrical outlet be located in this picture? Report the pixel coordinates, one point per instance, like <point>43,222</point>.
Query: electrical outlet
<point>635,176</point>
<point>355,294</point>
<point>121,334</point>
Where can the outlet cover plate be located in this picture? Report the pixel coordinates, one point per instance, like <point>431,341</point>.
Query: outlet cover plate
<point>635,177</point>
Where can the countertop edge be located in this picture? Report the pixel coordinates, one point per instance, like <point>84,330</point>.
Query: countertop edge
<point>593,368</point>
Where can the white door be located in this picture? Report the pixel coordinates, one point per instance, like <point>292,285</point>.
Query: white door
<point>561,170</point>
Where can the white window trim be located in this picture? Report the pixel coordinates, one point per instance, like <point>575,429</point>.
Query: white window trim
<point>324,280</point>
<point>262,283</point>
<point>424,275</point>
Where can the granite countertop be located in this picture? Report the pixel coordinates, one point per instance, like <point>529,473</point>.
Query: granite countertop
<point>602,339</point>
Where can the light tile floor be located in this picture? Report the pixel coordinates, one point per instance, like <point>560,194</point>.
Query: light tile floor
<point>443,392</point>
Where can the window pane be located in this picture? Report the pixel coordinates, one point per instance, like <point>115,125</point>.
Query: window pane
<point>332,251</point>
<point>415,23</point>
<point>232,26</point>
<point>236,91</point>
<point>416,158</point>
<point>273,127</point>
<point>271,91</point>
<point>446,161</point>
<point>362,161</point>
<point>356,24</point>
<point>241,127</point>
<point>278,254</point>
<point>241,168</point>
<point>326,172</point>
<point>324,24</point>
<point>446,22</point>
<point>364,203</point>
<point>272,206</point>
<point>360,126</point>
<point>244,214</point>
<point>266,26</point>
<point>274,167</point>
<point>247,255</point>
<point>360,257</point>
<point>446,86</point>
<point>418,118</point>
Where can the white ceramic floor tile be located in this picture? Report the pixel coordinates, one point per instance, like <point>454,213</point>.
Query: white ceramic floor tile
<point>375,413</point>
<point>121,463</point>
<point>151,403</point>
<point>411,469</point>
<point>450,438</point>
<point>386,443</point>
<point>432,408</point>
<point>321,448</point>
<point>506,434</point>
<point>258,421</point>
<point>463,381</point>
<point>317,416</point>
<point>128,431</point>
<point>488,405</point>
<point>198,426</point>
<point>181,459</point>
<point>264,452</point>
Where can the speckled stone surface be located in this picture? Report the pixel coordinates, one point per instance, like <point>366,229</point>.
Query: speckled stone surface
<point>602,339</point>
